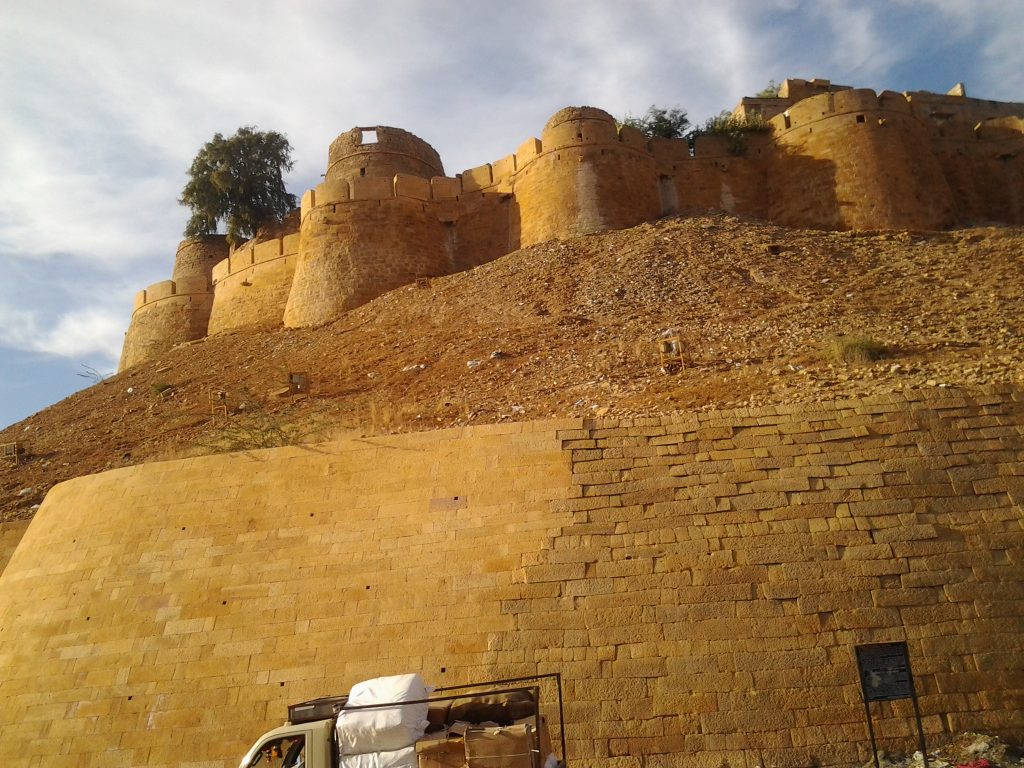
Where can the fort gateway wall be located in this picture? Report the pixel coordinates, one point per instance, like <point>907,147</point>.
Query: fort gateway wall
<point>700,582</point>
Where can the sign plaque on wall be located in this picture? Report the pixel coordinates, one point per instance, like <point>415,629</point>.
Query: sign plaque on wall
<point>885,671</point>
<point>885,675</point>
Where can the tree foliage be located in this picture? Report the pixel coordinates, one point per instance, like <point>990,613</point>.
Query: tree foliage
<point>770,91</point>
<point>238,180</point>
<point>735,129</point>
<point>724,123</point>
<point>660,121</point>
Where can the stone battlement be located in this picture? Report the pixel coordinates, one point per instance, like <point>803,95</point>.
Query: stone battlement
<point>834,157</point>
<point>171,289</point>
<point>252,255</point>
<point>250,287</point>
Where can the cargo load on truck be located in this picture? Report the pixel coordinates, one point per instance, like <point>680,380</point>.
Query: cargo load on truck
<point>400,722</point>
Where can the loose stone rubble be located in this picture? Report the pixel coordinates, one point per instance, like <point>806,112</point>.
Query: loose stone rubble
<point>968,750</point>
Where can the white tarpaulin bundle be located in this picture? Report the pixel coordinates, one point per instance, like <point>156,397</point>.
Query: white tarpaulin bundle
<point>384,729</point>
<point>399,758</point>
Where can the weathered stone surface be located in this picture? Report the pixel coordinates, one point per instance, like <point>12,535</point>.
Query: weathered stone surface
<point>236,584</point>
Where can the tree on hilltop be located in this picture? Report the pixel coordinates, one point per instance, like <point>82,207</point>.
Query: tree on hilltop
<point>238,180</point>
<point>735,129</point>
<point>660,121</point>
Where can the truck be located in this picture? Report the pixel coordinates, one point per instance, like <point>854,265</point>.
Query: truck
<point>492,724</point>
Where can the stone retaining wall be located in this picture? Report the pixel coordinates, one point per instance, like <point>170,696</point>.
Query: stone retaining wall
<point>721,568</point>
<point>700,582</point>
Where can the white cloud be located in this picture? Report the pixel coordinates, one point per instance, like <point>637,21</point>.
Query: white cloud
<point>860,43</point>
<point>986,35</point>
<point>84,333</point>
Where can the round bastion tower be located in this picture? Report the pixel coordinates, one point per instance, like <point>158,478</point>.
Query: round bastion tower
<point>854,159</point>
<point>176,310</point>
<point>381,151</point>
<point>369,227</point>
<point>588,178</point>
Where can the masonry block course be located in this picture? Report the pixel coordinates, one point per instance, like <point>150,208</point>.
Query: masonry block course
<point>176,310</point>
<point>832,157</point>
<point>251,287</point>
<point>167,613</point>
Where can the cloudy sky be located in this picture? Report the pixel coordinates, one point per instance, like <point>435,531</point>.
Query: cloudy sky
<point>103,104</point>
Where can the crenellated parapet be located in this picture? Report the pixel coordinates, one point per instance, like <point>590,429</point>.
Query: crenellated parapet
<point>165,290</point>
<point>251,286</point>
<point>832,157</point>
<point>166,313</point>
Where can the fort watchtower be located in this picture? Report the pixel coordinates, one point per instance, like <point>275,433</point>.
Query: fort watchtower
<point>370,227</point>
<point>176,310</point>
<point>381,151</point>
<point>586,178</point>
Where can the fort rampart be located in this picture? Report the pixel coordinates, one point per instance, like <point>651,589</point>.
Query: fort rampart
<point>177,310</point>
<point>700,581</point>
<point>167,313</point>
<point>251,286</point>
<point>832,157</point>
<point>869,165</point>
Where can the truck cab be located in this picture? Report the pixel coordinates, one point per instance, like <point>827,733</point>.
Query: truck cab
<point>305,745</point>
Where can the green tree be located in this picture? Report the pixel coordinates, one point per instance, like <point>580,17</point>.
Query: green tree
<point>660,121</point>
<point>771,91</point>
<point>735,129</point>
<point>238,180</point>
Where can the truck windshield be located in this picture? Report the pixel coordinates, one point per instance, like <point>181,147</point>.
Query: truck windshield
<point>283,752</point>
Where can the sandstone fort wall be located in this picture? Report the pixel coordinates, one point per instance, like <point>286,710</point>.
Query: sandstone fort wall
<point>718,178</point>
<point>251,286</point>
<point>835,158</point>
<point>984,164</point>
<point>10,536</point>
<point>856,160</point>
<point>352,252</point>
<point>483,227</point>
<point>699,581</point>
<point>167,313</point>
<point>177,310</point>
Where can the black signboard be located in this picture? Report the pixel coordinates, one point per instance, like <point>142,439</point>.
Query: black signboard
<point>885,676</point>
<point>885,671</point>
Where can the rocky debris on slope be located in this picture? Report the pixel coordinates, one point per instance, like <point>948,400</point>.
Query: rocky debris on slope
<point>577,324</point>
<point>968,750</point>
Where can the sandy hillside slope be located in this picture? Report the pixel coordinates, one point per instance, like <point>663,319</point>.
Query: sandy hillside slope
<point>571,328</point>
